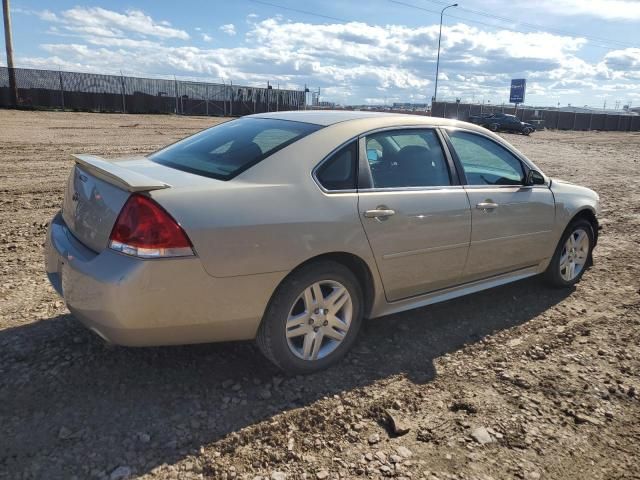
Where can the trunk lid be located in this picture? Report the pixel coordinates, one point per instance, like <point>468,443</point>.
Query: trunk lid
<point>97,189</point>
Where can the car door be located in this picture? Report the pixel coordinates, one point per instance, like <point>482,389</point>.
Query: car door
<point>509,124</point>
<point>516,126</point>
<point>511,223</point>
<point>415,213</point>
<point>505,123</point>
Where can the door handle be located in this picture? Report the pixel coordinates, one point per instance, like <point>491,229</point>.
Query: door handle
<point>379,213</point>
<point>487,205</point>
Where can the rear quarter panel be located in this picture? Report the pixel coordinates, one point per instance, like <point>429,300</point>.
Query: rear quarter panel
<point>272,217</point>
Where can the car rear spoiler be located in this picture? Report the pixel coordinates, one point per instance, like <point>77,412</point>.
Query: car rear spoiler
<point>118,175</point>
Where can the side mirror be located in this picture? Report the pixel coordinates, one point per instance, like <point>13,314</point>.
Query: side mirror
<point>534,178</point>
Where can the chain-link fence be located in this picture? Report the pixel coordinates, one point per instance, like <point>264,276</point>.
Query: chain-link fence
<point>50,89</point>
<point>552,118</point>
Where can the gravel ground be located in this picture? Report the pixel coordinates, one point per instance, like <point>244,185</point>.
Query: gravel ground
<point>516,382</point>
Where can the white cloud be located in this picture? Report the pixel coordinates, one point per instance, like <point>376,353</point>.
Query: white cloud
<point>229,29</point>
<point>102,22</point>
<point>625,59</point>
<point>628,10</point>
<point>350,62</point>
<point>206,37</point>
<point>47,16</point>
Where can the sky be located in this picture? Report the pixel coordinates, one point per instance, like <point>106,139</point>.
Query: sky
<point>578,52</point>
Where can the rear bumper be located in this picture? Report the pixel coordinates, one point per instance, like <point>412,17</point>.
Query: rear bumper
<point>137,302</point>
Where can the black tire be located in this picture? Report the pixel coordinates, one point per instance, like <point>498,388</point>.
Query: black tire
<point>527,131</point>
<point>493,127</point>
<point>271,338</point>
<point>553,273</point>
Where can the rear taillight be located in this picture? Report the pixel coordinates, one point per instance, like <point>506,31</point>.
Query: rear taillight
<point>145,229</point>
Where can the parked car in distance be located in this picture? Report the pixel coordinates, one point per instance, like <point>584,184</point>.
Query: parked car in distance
<point>503,122</point>
<point>290,228</point>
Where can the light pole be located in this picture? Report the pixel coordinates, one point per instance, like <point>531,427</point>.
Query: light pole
<point>435,93</point>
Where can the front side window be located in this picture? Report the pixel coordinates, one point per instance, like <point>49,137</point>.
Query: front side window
<point>230,148</point>
<point>407,158</point>
<point>484,161</point>
<point>339,171</point>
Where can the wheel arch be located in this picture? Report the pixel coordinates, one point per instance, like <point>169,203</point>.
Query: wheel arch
<point>590,216</point>
<point>355,264</point>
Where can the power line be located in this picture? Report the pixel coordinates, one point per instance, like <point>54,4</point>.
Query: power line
<point>533,26</point>
<point>537,26</point>
<point>608,49</point>
<point>297,10</point>
<point>409,5</point>
<point>342,20</point>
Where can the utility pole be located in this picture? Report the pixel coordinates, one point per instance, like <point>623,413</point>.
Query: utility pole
<point>435,92</point>
<point>8,42</point>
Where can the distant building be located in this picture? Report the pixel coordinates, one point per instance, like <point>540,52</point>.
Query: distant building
<point>324,104</point>
<point>409,106</point>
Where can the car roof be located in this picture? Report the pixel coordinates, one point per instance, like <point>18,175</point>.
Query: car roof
<point>370,120</point>
<point>330,117</point>
<point>349,124</point>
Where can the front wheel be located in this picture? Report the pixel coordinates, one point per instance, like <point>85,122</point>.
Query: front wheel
<point>313,318</point>
<point>572,255</point>
<point>493,127</point>
<point>527,131</point>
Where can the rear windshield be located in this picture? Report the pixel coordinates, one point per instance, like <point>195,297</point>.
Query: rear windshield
<point>230,148</point>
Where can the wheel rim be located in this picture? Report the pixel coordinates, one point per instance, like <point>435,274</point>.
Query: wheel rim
<point>319,320</point>
<point>574,255</point>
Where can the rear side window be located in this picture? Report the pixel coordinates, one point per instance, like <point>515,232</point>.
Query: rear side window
<point>230,148</point>
<point>339,171</point>
<point>407,158</point>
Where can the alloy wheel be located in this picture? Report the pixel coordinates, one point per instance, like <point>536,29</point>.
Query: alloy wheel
<point>575,253</point>
<point>319,320</point>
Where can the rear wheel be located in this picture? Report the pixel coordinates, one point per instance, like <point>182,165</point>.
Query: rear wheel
<point>572,256</point>
<point>527,131</point>
<point>493,127</point>
<point>313,318</point>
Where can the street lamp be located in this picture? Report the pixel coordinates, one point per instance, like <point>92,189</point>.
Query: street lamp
<point>435,93</point>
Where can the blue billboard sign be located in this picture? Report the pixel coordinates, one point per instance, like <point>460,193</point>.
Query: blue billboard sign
<point>518,87</point>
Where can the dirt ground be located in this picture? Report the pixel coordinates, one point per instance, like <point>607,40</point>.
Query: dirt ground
<point>517,382</point>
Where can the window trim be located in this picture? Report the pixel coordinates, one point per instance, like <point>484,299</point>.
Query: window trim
<point>314,172</point>
<point>526,164</point>
<point>366,178</point>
